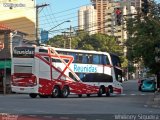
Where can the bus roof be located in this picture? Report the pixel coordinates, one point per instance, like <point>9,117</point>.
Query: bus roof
<point>81,51</point>
<point>69,50</point>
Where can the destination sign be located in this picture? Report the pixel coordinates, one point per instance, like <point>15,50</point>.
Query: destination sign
<point>24,52</point>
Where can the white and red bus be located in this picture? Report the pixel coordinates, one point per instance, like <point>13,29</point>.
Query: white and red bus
<point>101,69</point>
<point>42,71</point>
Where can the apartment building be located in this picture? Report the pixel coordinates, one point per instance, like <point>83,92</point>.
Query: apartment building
<point>136,4</point>
<point>100,6</point>
<point>110,18</point>
<point>19,15</point>
<point>119,31</point>
<point>87,19</point>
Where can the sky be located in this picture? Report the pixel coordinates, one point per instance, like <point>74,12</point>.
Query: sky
<point>59,11</point>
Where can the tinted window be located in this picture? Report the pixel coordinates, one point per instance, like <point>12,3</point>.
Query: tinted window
<point>115,60</point>
<point>47,58</point>
<point>55,60</point>
<point>74,56</point>
<point>43,50</point>
<point>106,60</point>
<point>79,57</point>
<point>85,58</point>
<point>118,73</point>
<point>61,52</point>
<point>95,77</point>
<point>96,59</point>
<point>90,58</point>
<point>22,69</point>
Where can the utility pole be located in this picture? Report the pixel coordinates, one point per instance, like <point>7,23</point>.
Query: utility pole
<point>70,39</point>
<point>5,55</point>
<point>37,21</point>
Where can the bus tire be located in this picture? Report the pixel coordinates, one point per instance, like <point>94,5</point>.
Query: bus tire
<point>100,92</point>
<point>80,95</point>
<point>56,92</point>
<point>88,95</point>
<point>65,91</point>
<point>108,94</point>
<point>33,95</point>
<point>110,90</point>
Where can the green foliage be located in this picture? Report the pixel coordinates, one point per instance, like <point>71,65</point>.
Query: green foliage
<point>144,34</point>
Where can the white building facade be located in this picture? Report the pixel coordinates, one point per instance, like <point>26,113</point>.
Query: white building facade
<point>87,19</point>
<point>19,15</point>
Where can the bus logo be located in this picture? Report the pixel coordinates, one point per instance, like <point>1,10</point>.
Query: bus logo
<point>86,68</point>
<point>27,52</point>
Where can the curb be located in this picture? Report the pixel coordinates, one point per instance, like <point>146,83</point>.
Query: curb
<point>154,101</point>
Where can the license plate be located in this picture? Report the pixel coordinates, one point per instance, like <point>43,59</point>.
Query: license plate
<point>21,88</point>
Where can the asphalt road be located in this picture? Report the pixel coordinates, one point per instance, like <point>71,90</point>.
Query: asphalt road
<point>131,102</point>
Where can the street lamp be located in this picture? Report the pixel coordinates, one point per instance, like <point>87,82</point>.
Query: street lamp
<point>59,24</point>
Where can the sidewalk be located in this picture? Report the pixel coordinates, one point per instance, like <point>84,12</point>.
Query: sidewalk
<point>155,101</point>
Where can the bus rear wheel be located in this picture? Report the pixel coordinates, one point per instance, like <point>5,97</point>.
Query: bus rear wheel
<point>65,92</point>
<point>100,92</point>
<point>80,95</point>
<point>56,92</point>
<point>88,95</point>
<point>110,90</point>
<point>33,95</point>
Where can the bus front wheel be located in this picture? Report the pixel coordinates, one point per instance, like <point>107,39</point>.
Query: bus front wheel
<point>33,95</point>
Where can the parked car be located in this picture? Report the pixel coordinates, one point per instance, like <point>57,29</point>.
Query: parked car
<point>147,84</point>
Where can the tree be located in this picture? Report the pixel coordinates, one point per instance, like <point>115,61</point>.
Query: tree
<point>144,34</point>
<point>100,42</point>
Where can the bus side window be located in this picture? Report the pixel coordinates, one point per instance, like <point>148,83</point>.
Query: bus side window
<point>43,50</point>
<point>84,58</point>
<point>80,55</point>
<point>105,60</point>
<point>90,58</point>
<point>47,58</point>
<point>55,60</point>
<point>74,56</point>
<point>62,52</point>
<point>100,59</point>
<point>96,59</point>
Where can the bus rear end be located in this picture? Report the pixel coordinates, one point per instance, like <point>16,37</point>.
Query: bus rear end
<point>25,81</point>
<point>24,78</point>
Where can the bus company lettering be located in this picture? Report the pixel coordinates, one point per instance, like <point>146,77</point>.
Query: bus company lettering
<point>26,52</point>
<point>87,68</point>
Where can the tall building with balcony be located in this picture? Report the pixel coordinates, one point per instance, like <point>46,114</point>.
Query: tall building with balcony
<point>111,25</point>
<point>135,3</point>
<point>87,19</point>
<point>19,15</point>
<point>119,31</point>
<point>100,6</point>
